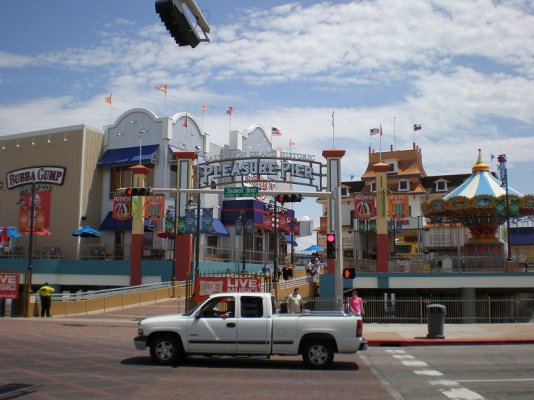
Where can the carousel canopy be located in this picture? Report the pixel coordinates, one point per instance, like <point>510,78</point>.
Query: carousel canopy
<point>481,182</point>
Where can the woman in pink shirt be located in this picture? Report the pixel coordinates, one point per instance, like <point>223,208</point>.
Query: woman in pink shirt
<point>356,304</point>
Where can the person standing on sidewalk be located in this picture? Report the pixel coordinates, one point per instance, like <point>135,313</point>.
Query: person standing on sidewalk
<point>356,304</point>
<point>45,293</point>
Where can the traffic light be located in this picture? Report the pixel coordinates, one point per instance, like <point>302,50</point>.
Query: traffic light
<point>349,273</point>
<point>288,198</point>
<point>331,246</point>
<point>137,192</point>
<point>177,23</point>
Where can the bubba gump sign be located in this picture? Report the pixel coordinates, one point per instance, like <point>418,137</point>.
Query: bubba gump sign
<point>208,285</point>
<point>44,174</point>
<point>9,286</point>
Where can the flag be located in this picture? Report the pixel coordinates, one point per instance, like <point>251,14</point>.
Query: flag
<point>417,127</point>
<point>163,88</point>
<point>375,131</point>
<point>204,107</point>
<point>291,143</point>
<point>492,156</point>
<point>275,132</point>
<point>108,99</point>
<point>230,110</point>
<point>185,123</point>
<point>352,177</point>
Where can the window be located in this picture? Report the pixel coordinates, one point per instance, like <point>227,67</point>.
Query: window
<point>404,185</point>
<point>122,177</point>
<point>251,307</point>
<point>373,186</point>
<point>441,186</point>
<point>344,191</point>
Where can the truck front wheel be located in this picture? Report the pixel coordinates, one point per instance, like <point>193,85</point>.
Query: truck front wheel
<point>165,349</point>
<point>318,354</point>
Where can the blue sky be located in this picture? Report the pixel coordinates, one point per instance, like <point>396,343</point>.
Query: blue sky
<point>464,70</point>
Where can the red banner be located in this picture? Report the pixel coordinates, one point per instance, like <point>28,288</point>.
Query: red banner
<point>154,207</point>
<point>122,207</point>
<point>9,286</point>
<point>398,206</point>
<point>207,285</point>
<point>365,206</point>
<point>41,211</point>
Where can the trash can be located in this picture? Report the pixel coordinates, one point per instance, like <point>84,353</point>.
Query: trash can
<point>436,321</point>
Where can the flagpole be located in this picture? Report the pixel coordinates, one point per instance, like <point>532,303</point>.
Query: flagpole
<point>109,117</point>
<point>394,135</point>
<point>333,126</point>
<point>414,134</point>
<point>380,151</point>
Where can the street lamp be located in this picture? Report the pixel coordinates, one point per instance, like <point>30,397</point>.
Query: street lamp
<point>30,248</point>
<point>504,179</point>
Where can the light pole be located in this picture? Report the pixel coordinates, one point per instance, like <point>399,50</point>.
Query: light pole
<point>30,249</point>
<point>504,179</point>
<point>275,250</point>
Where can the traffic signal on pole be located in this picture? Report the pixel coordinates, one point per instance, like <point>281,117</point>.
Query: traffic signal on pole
<point>331,246</point>
<point>349,273</point>
<point>137,192</point>
<point>177,23</point>
<point>288,198</point>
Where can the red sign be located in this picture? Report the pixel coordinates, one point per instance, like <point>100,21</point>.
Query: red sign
<point>364,206</point>
<point>122,207</point>
<point>41,211</point>
<point>207,285</point>
<point>9,286</point>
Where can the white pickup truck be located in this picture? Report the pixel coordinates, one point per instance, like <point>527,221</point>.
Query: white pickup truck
<point>246,324</point>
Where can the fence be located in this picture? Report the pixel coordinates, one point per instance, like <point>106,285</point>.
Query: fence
<point>412,309</point>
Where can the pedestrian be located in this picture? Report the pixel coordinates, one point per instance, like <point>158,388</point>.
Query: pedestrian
<point>294,302</point>
<point>356,304</point>
<point>308,267</point>
<point>45,293</point>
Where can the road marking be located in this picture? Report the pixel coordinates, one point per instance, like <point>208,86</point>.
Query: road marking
<point>414,363</point>
<point>497,380</point>
<point>462,394</point>
<point>400,357</point>
<point>428,372</point>
<point>444,382</point>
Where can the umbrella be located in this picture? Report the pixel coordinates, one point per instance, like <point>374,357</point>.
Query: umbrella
<point>3,237</point>
<point>313,248</point>
<point>11,232</point>
<point>86,232</point>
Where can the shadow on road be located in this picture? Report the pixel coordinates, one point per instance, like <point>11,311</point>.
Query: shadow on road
<point>242,362</point>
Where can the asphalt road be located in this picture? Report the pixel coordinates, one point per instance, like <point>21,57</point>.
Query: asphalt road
<point>87,359</point>
<point>455,372</point>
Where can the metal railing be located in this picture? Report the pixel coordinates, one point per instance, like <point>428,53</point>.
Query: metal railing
<point>413,309</point>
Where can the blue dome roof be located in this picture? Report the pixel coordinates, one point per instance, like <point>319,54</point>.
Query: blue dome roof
<point>481,182</point>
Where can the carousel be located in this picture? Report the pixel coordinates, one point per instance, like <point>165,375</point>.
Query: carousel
<point>482,204</point>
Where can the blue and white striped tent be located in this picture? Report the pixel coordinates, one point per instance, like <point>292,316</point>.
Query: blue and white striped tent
<point>481,182</point>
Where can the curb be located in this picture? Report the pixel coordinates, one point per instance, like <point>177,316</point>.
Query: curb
<point>445,342</point>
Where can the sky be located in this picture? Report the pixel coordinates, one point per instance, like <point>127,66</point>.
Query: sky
<point>463,70</point>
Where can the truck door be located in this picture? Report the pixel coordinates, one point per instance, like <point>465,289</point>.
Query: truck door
<point>254,329</point>
<point>214,330</point>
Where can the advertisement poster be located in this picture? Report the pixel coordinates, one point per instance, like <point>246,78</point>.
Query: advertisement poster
<point>207,285</point>
<point>154,207</point>
<point>9,286</point>
<point>41,212</point>
<point>364,206</point>
<point>122,206</point>
<point>398,206</point>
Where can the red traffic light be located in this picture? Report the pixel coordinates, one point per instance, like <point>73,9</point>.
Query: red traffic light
<point>349,273</point>
<point>137,192</point>
<point>280,198</point>
<point>331,238</point>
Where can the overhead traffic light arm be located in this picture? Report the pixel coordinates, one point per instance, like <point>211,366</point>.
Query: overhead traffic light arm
<point>175,17</point>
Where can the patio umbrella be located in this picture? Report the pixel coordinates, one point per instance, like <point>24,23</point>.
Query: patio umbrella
<point>3,238</point>
<point>313,248</point>
<point>86,232</point>
<point>10,232</point>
